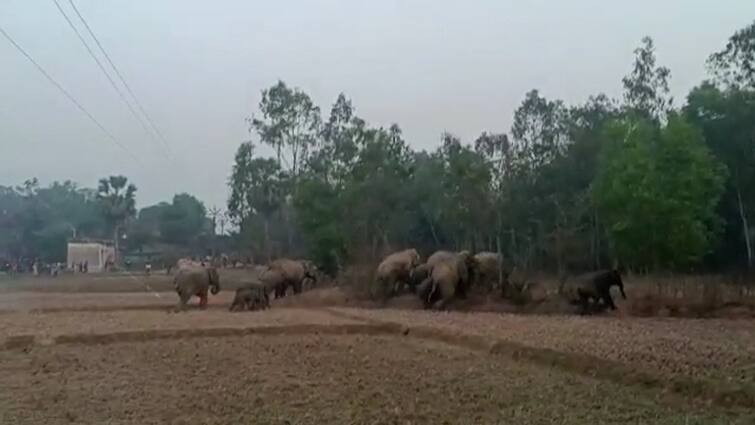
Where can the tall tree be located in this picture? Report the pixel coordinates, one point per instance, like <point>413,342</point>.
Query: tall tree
<point>646,89</point>
<point>258,189</point>
<point>734,66</point>
<point>118,201</point>
<point>288,120</point>
<point>538,131</point>
<point>657,190</point>
<point>183,221</point>
<point>726,119</point>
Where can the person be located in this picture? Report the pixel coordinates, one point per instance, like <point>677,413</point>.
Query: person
<point>148,268</point>
<point>86,266</point>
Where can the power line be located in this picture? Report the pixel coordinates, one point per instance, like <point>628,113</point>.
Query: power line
<point>120,76</point>
<point>102,68</point>
<point>67,94</point>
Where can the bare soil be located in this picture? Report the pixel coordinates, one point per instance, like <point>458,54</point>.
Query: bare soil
<point>324,356</point>
<point>716,348</point>
<point>310,379</point>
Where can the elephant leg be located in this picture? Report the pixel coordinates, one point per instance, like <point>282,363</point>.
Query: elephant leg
<point>183,299</point>
<point>608,300</point>
<point>424,294</point>
<point>442,303</point>
<point>202,299</point>
<point>584,301</point>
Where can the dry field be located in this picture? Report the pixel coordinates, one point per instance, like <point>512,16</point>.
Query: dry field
<point>73,355</point>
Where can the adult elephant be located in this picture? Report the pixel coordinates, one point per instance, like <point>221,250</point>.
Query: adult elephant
<point>589,289</point>
<point>284,273</point>
<point>396,270</point>
<point>490,267</point>
<point>191,281</point>
<point>446,280</point>
<point>465,267</point>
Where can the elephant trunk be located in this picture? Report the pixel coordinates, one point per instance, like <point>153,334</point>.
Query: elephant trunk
<point>214,288</point>
<point>623,295</point>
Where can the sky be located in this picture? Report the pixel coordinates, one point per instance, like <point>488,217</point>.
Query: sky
<point>198,67</point>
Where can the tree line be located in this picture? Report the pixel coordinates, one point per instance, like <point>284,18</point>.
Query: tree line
<point>636,181</point>
<point>36,222</point>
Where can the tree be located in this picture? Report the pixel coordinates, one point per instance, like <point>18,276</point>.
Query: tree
<point>342,137</point>
<point>646,90</point>
<point>288,120</point>
<point>657,190</point>
<point>320,219</point>
<point>183,221</point>
<point>258,189</point>
<point>538,131</point>
<point>726,120</point>
<point>36,222</point>
<point>118,203</point>
<point>734,66</point>
<point>467,209</point>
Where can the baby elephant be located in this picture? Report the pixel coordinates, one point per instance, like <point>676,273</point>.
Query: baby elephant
<point>251,297</point>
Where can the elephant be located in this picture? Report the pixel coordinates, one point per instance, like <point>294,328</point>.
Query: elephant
<point>190,281</point>
<point>251,297</point>
<point>395,270</point>
<point>440,288</point>
<point>489,268</point>
<point>465,267</point>
<point>419,274</point>
<point>594,287</point>
<point>284,272</point>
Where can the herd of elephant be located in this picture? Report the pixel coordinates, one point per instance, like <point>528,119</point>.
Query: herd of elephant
<point>442,278</point>
<point>446,276</point>
<point>280,275</point>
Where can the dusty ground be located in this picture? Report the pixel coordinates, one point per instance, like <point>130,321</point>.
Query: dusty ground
<point>310,379</point>
<point>68,356</point>
<point>717,348</point>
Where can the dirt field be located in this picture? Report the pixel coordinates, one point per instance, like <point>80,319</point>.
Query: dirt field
<point>124,358</point>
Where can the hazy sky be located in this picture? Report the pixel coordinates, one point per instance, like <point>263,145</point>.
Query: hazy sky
<point>198,68</point>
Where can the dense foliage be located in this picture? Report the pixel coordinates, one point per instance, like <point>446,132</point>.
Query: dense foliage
<point>631,181</point>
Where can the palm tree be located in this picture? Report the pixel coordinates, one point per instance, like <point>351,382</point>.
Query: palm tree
<point>118,203</point>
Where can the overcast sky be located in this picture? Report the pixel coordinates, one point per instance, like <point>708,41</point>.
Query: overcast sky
<point>198,68</point>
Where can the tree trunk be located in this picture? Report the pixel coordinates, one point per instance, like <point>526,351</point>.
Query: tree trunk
<point>596,231</point>
<point>267,239</point>
<point>745,229</point>
<point>500,262</point>
<point>116,244</point>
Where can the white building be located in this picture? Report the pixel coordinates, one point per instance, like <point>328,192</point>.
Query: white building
<point>97,255</point>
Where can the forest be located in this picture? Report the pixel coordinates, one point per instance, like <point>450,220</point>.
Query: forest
<point>637,181</point>
<point>644,181</point>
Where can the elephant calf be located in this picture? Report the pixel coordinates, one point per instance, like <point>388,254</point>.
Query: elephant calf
<point>591,288</point>
<point>251,297</point>
<point>189,282</point>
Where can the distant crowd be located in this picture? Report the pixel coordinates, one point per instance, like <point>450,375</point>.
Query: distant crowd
<point>37,267</point>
